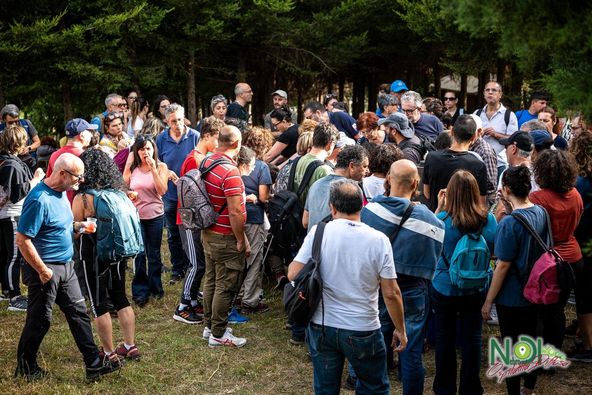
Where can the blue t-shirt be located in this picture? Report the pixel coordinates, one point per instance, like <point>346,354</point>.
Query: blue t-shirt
<point>452,235</point>
<point>259,176</point>
<point>584,230</point>
<point>514,244</point>
<point>47,219</point>
<point>344,123</point>
<point>317,200</point>
<point>428,126</point>
<point>524,116</point>
<point>174,153</point>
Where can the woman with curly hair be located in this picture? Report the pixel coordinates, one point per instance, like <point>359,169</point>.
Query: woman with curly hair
<point>581,148</point>
<point>381,159</point>
<point>257,186</point>
<point>556,172</point>
<point>107,281</point>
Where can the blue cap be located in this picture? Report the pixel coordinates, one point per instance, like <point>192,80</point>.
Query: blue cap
<point>398,86</point>
<point>78,125</point>
<point>542,139</point>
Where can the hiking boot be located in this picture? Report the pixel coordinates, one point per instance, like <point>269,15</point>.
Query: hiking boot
<point>228,340</point>
<point>132,354</point>
<point>207,332</point>
<point>580,355</point>
<point>187,315</point>
<point>235,318</point>
<point>260,308</point>
<point>103,367</point>
<point>18,303</point>
<point>296,341</point>
<point>282,280</point>
<point>30,372</point>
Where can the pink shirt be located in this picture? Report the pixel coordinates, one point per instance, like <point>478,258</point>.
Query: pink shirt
<point>149,202</point>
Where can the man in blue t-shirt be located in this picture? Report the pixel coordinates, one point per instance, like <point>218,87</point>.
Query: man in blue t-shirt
<point>44,238</point>
<point>538,101</point>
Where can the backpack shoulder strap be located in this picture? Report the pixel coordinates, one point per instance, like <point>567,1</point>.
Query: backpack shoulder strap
<point>404,219</point>
<point>507,115</point>
<point>479,111</point>
<point>530,230</point>
<point>292,173</point>
<point>310,169</point>
<point>317,241</point>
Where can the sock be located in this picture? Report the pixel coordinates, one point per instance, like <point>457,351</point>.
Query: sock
<point>128,346</point>
<point>182,306</point>
<point>194,303</point>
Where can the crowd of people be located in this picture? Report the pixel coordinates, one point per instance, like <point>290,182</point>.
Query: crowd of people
<point>400,188</point>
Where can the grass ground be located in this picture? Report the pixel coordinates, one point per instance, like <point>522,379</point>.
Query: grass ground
<point>176,361</point>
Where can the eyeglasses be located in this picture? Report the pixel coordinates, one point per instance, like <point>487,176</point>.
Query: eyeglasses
<point>78,177</point>
<point>122,105</point>
<point>132,97</point>
<point>449,98</point>
<point>275,125</point>
<point>409,111</point>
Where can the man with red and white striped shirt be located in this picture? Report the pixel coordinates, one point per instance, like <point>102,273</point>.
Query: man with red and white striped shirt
<point>225,244</point>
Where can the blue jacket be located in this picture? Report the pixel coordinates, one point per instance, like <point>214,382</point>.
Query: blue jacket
<point>419,243</point>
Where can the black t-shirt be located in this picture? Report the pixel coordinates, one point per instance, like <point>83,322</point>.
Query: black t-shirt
<point>441,165</point>
<point>237,111</point>
<point>289,137</point>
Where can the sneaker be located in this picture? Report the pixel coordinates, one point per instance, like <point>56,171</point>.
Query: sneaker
<point>207,332</point>
<point>132,354</point>
<point>296,341</point>
<point>187,315</point>
<point>235,318</point>
<point>200,297</point>
<point>494,320</point>
<point>260,308</point>
<point>198,309</point>
<point>18,303</point>
<point>228,340</point>
<point>282,280</point>
<point>29,373</point>
<point>103,367</point>
<point>4,296</point>
<point>113,357</point>
<point>580,355</point>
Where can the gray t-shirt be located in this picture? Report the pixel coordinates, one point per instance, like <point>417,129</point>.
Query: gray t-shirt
<point>317,200</point>
<point>354,257</point>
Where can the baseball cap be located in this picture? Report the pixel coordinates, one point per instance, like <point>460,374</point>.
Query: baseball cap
<point>280,93</point>
<point>542,139</point>
<point>399,122</point>
<point>78,125</point>
<point>398,86</point>
<point>523,141</point>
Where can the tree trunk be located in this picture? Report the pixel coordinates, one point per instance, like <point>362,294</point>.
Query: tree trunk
<point>358,95</point>
<point>501,74</point>
<point>67,101</point>
<point>191,91</point>
<point>299,99</point>
<point>437,77</point>
<point>372,92</point>
<point>463,91</point>
<point>483,79</point>
<point>2,94</point>
<point>341,87</point>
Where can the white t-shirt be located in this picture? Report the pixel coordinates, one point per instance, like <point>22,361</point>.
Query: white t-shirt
<point>373,186</point>
<point>354,257</point>
<point>137,126</point>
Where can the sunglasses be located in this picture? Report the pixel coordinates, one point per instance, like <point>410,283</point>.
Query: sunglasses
<point>449,98</point>
<point>113,115</point>
<point>143,138</point>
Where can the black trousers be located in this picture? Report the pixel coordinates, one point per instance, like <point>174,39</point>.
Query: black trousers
<point>64,290</point>
<point>10,257</point>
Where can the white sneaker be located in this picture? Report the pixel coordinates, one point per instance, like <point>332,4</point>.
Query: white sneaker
<point>228,340</point>
<point>207,332</point>
<point>494,320</point>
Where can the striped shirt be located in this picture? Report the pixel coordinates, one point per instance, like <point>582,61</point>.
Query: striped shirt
<point>222,182</point>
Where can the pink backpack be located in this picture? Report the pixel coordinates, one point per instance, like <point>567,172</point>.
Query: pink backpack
<point>550,274</point>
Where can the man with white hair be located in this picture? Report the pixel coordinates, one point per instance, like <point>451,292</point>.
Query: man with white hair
<point>243,96</point>
<point>174,144</point>
<point>44,238</point>
<point>425,125</point>
<point>113,103</point>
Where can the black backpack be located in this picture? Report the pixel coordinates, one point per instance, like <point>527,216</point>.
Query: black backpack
<point>507,115</point>
<point>285,213</point>
<point>302,296</point>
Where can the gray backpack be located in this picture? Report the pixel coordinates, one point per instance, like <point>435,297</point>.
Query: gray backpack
<point>195,209</point>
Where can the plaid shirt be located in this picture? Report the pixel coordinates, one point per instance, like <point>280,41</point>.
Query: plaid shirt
<point>487,153</point>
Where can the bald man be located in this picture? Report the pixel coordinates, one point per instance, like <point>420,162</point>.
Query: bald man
<point>225,244</point>
<point>44,238</point>
<point>416,237</point>
<point>237,109</point>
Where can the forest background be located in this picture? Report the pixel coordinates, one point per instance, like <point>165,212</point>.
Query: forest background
<point>59,59</point>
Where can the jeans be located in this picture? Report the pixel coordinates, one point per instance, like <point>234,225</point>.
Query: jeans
<point>416,303</point>
<point>179,261</point>
<point>365,350</point>
<point>149,282</point>
<point>62,289</point>
<point>467,311</point>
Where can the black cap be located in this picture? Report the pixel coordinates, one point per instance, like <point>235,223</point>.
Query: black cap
<point>523,141</point>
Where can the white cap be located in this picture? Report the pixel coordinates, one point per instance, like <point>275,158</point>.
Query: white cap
<point>280,93</point>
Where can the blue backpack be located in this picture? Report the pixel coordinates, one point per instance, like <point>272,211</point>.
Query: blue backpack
<point>469,266</point>
<point>118,226</point>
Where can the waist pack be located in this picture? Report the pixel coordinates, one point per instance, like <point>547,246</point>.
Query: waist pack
<point>469,267</point>
<point>302,296</point>
<point>195,208</point>
<point>118,226</point>
<point>285,211</point>
<point>550,275</point>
